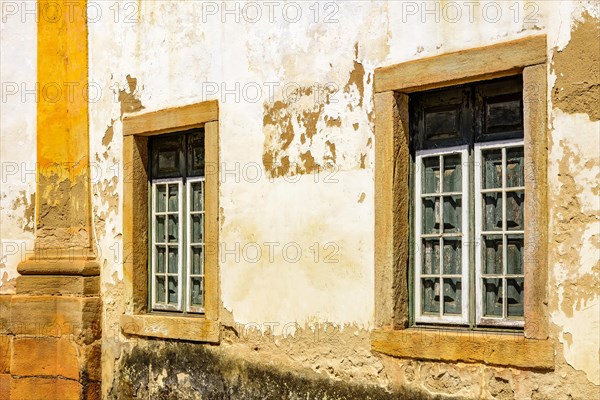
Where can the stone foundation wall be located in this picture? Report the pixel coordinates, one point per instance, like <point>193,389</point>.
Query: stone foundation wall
<point>50,347</point>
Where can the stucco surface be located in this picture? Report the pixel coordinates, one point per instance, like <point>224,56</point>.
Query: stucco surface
<point>296,129</point>
<point>17,146</point>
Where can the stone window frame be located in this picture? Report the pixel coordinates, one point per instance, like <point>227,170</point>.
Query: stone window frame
<point>137,128</point>
<point>392,334</point>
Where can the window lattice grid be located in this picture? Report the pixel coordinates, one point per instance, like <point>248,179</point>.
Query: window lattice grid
<point>499,223</point>
<point>166,244</point>
<point>196,245</point>
<point>441,234</point>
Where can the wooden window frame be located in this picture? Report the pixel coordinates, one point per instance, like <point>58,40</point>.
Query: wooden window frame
<point>152,239</point>
<point>482,320</point>
<point>137,129</point>
<point>529,349</point>
<point>189,245</point>
<point>463,318</point>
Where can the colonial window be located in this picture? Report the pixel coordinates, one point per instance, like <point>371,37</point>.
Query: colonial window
<point>460,207</point>
<point>468,204</point>
<point>177,223</point>
<point>171,222</point>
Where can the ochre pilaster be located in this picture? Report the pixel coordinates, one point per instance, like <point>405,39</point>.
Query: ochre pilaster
<point>52,326</point>
<point>63,214</point>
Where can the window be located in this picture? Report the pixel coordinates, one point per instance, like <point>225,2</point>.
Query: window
<point>177,223</point>
<point>472,120</point>
<point>468,204</point>
<point>171,223</point>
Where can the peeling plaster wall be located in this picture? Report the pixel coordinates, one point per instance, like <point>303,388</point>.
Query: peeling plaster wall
<point>297,170</point>
<point>17,146</point>
<point>574,173</point>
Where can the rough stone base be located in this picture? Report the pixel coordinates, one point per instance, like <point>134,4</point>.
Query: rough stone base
<point>50,347</point>
<point>171,370</point>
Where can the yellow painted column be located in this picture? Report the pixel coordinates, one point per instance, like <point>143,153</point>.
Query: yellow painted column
<point>55,319</point>
<point>63,213</point>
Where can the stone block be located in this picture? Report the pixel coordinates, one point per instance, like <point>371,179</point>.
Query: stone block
<point>44,388</point>
<point>4,311</point>
<point>58,285</point>
<point>93,391</point>
<point>5,386</point>
<point>56,316</point>
<point>45,357</point>
<point>5,353</point>
<point>93,361</point>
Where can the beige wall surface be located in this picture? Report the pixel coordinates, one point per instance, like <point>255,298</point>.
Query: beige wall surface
<point>294,83</point>
<point>17,145</point>
<point>295,92</point>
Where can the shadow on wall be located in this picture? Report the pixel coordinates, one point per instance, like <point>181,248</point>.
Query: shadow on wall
<point>171,370</point>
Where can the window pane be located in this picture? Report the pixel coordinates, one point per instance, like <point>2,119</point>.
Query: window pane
<point>160,229</point>
<point>452,214</point>
<point>173,260</point>
<point>514,210</point>
<point>452,296</point>
<point>492,212</point>
<point>492,301</point>
<point>442,122</point>
<point>196,154</point>
<point>173,197</point>
<point>160,259</point>
<point>515,257</point>
<point>160,289</point>
<point>197,228</point>
<point>431,215</point>
<point>492,255</point>
<point>173,289</point>
<point>167,157</point>
<point>431,295</point>
<point>168,161</point>
<point>503,113</point>
<point>431,176</point>
<point>492,169</point>
<point>197,260</point>
<point>431,256</point>
<point>452,256</point>
<point>197,292</point>
<point>161,198</point>
<point>515,166</point>
<point>173,228</point>
<point>452,173</point>
<point>197,197</point>
<point>514,296</point>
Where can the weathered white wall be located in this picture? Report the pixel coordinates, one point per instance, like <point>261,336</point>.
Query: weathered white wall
<point>17,143</point>
<point>176,57</point>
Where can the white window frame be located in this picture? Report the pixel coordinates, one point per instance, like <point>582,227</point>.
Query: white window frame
<point>188,215</point>
<point>503,321</point>
<point>464,235</point>
<point>167,181</point>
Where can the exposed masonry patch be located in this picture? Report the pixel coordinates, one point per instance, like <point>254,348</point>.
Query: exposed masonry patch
<point>570,225</point>
<point>304,132</point>
<point>500,388</point>
<point>108,134</point>
<point>107,189</point>
<point>357,77</point>
<point>577,69</point>
<point>26,211</point>
<point>129,99</point>
<point>7,285</point>
<point>63,220</point>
